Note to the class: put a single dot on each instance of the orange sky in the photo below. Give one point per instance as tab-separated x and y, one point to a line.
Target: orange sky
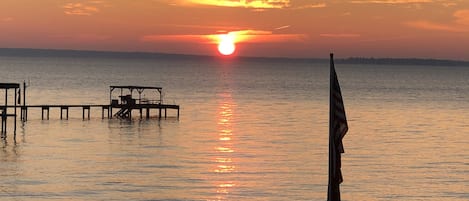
286	28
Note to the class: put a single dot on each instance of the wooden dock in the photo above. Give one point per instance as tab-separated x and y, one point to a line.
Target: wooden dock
106	110
126	102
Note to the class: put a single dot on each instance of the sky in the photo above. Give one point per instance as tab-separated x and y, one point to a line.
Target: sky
265	28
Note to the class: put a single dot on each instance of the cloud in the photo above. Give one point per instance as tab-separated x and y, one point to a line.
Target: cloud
202	27
84	8
415	3
255	4
282	27
390	1
449	4
318	5
339	35
462	17
460	23
432	26
241	36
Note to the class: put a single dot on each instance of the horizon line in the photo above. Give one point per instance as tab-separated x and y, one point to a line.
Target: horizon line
149	53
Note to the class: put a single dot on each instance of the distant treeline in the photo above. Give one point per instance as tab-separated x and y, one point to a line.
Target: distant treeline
403	61
24	52
20	52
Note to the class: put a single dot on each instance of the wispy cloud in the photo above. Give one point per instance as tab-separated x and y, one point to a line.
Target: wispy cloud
460	23
85	8
283	27
339	35
418	4
317	5
240	36
390	1
256	4
462	17
427	25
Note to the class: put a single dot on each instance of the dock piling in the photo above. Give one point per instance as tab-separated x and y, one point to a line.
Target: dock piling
86	107
61	111
46	109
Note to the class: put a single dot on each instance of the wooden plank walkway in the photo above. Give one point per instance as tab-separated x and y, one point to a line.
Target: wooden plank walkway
86	108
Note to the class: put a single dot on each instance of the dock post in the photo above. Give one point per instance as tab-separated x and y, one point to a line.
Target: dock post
24	113
141	113
178	113
165	110
6	110
62	108
159	112
3	120
87	107
15	100
44	108
148	112
105	107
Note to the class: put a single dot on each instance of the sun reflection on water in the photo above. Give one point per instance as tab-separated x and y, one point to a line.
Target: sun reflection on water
225	148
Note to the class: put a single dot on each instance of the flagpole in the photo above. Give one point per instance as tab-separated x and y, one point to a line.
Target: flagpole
337	129
331	187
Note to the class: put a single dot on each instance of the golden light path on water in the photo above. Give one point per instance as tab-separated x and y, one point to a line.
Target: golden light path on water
226	148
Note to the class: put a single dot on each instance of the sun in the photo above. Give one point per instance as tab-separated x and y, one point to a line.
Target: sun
226	45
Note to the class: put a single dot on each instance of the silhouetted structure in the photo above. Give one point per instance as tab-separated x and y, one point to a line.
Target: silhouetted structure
148	98
337	129
4	108
125	102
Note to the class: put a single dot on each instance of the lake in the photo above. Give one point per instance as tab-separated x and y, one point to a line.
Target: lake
248	130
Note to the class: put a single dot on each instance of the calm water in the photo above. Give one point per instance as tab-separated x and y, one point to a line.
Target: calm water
248	131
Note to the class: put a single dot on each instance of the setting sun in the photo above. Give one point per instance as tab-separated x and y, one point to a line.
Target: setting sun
226	45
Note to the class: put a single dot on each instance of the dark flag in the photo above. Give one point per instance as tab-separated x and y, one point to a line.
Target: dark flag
337	129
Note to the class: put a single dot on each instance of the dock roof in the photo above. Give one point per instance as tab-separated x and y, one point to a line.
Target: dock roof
9	85
133	87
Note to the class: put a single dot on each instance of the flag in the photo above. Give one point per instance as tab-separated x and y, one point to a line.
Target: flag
337	129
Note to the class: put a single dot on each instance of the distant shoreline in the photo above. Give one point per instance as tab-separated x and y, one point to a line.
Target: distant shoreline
27	52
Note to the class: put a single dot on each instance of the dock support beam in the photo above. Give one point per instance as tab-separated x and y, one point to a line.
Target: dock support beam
4	120
108	111
24	113
61	111
159	112
45	108
86	108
